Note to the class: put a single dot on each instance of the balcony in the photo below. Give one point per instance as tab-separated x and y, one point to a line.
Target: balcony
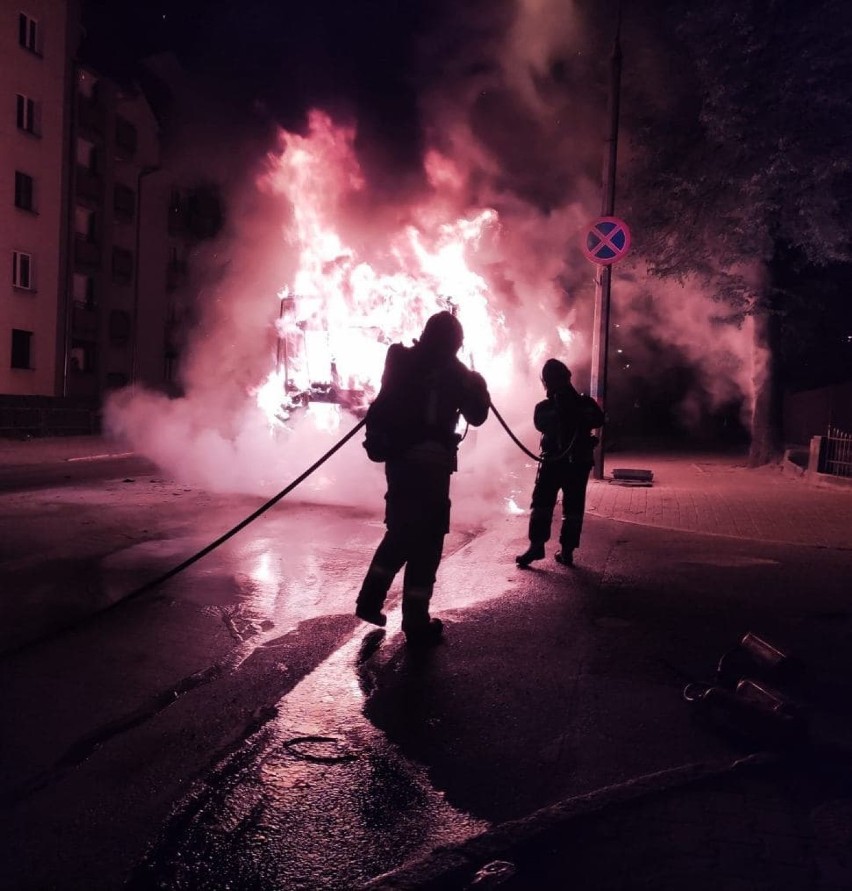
122	266
197	214
123	202
126	139
91	117
89	185
119	327
87	254
203	212
84	321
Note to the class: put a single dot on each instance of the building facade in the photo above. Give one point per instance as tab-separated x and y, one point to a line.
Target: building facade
116	156
95	234
38	39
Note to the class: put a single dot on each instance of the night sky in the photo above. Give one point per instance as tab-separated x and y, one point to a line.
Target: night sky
369	62
353	58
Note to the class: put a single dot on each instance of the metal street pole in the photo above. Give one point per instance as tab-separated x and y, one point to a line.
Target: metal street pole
603	278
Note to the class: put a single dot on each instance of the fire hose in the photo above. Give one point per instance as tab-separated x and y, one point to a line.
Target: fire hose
539	459
512	436
148	586
249	519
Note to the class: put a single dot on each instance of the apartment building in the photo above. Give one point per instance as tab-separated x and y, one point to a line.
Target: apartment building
115	224
134	225
95	233
38	39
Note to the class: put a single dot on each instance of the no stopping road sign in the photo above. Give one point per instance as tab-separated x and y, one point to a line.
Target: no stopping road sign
605	240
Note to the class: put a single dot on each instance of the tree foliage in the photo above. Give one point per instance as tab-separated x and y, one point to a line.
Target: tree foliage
746	163
751	150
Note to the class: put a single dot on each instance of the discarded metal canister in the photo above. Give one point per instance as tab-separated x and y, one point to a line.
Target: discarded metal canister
755	656
763	652
763	695
750	712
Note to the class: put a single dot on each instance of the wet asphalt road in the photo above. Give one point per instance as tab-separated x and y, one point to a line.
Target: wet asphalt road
239	728
23	477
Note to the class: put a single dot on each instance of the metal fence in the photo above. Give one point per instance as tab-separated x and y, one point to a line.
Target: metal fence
836	453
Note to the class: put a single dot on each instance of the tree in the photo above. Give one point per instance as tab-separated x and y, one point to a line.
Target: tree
746	163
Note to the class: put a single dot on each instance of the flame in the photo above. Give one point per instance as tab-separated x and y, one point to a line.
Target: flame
346	304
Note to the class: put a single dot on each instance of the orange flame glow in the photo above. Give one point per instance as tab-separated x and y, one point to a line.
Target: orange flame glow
341	309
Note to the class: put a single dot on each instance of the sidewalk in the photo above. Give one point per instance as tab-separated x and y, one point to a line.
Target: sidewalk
719	495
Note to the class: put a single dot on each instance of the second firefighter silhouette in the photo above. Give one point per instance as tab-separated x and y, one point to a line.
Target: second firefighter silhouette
565	420
411	427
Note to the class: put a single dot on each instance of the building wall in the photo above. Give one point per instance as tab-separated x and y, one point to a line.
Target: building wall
94	283
154	307
116	145
39	72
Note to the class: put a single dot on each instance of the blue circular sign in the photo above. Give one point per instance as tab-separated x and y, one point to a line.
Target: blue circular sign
606	240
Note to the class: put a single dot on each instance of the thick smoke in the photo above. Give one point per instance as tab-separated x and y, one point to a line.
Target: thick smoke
526	107
509	126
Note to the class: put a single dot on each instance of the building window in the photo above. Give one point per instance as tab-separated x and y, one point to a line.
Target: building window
203	212
125	138
84	223
123	202
122	265
119	326
22	342
82	357
87	155
28	32
24	190
84	290
22	270
25	114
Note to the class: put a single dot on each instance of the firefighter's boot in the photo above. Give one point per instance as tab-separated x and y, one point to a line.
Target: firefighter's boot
565	556
534	552
418	627
371	597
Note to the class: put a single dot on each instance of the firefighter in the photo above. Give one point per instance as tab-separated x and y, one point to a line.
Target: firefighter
411	427
565	420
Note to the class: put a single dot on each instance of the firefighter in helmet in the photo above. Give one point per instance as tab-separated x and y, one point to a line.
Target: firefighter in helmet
565	420
411	427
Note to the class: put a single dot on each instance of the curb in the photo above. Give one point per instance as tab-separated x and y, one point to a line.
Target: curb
454	867
827	480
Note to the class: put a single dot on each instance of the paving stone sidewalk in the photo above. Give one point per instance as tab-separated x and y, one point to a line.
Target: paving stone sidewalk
720	495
